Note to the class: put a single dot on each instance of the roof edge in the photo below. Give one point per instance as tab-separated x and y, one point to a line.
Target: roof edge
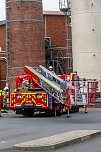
3	22
53	13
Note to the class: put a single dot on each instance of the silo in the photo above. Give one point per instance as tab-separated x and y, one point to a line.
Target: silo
25	36
86	37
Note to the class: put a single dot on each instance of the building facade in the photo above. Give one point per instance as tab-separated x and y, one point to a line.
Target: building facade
54	32
3	65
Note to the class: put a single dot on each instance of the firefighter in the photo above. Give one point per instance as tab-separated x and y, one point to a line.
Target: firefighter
51	69
15	91
5	94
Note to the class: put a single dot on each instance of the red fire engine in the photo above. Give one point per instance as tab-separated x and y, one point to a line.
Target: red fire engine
41	90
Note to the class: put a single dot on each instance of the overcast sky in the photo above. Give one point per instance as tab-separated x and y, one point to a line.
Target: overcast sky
47	5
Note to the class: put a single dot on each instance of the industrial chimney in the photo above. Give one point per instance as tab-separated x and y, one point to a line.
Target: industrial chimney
25	36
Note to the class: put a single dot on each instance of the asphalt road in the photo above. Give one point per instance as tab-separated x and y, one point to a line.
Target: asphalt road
16	128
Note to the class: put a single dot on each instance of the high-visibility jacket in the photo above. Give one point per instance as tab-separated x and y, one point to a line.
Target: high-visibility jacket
1	100
1	96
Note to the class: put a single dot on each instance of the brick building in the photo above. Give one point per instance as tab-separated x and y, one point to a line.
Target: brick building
2	55
54	23
55	32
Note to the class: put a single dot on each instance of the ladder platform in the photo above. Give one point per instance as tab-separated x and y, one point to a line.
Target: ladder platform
48	81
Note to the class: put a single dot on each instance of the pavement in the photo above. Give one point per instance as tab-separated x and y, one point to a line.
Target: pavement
58	141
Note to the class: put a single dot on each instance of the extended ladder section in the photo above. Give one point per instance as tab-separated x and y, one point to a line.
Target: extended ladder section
50	82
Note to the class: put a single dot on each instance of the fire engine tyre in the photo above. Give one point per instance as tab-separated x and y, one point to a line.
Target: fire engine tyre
52	112
58	112
49	113
28	112
75	109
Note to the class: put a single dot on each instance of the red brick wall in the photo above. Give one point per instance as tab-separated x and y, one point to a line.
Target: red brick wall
3	37
2	74
55	28
26	35
2	62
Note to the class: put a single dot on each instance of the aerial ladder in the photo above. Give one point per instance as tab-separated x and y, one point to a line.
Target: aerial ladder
50	82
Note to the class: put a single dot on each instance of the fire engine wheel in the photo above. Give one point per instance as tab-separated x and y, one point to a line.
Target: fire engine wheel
28	112
75	109
49	113
52	112
58	112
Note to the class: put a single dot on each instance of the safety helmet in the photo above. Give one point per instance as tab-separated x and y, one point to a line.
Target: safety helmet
6	88
50	67
15	90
